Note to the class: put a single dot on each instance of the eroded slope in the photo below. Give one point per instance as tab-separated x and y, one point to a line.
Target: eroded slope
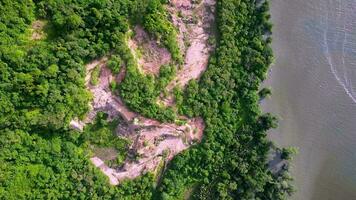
154	142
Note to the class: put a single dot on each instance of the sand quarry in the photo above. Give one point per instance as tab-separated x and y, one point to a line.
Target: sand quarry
156	143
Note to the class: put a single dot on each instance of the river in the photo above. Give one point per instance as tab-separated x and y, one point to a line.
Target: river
313	80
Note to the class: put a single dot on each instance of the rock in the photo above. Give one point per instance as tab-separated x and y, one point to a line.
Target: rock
77	125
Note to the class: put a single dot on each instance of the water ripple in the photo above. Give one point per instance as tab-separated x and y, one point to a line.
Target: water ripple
343	79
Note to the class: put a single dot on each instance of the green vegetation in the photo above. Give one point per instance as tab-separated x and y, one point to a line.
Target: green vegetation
14	21
103	140
42	89
140	91
230	163
37	168
95	74
155	21
113	86
102	134
114	64
42	86
287	153
152	15
54	167
264	92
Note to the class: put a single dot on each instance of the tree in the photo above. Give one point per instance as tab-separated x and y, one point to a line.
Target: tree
287	153
265	92
115	64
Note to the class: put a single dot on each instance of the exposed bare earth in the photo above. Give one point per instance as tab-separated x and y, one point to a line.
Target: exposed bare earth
37	30
152	141
153	56
194	22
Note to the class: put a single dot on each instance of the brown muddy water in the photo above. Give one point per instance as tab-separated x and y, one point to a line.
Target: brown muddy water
313	81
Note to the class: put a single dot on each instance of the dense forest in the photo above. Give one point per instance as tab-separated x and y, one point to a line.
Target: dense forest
42	88
231	161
